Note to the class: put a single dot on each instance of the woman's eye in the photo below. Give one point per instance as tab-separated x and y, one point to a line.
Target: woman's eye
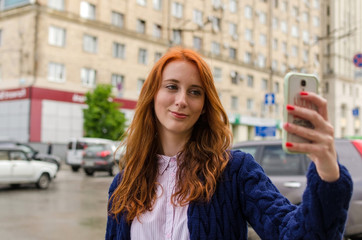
195	92
171	87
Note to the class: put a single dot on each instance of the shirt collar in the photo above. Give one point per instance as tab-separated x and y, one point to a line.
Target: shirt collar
164	162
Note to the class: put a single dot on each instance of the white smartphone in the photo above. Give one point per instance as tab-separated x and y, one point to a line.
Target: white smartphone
294	83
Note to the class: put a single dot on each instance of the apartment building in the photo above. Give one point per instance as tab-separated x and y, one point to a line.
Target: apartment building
342	40
67	47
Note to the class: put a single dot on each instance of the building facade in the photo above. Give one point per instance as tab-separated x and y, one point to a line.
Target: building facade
342	40
71	46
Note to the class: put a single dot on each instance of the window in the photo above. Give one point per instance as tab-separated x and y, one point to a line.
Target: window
157	31
275	44
197	17
88	77
250	104
248	34
141	26
264	84
306	37
261	60
158	55
117	19
316	21
90	43
295	31
217	74
56	72
177	9
283	68
262	17
215	48
275	23
305	55
157	4
233	6
216	24
140	83
56	36
295	12
294	51
285	6
234	102
117	82
142	2
142	56
316	4
87	10
233	30
234	77
262	39
250	81
56	4
176	36
274	65
284	47
248	13
284	26
247	57
197	43
232	53
306	17
276	87
119	50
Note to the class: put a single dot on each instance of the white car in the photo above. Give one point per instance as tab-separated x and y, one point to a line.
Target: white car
16	168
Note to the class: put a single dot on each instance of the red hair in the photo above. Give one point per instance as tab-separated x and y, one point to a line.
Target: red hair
204	153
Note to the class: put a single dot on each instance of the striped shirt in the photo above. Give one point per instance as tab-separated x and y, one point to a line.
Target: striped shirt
165	221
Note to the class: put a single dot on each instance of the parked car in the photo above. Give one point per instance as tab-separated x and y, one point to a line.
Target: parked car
17	168
99	156
32	153
287	172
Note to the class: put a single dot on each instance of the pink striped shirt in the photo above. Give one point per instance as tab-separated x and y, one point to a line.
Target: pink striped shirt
165	221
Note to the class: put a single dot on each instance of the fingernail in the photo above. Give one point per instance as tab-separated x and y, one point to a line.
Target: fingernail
303	93
288	144
290	107
286	125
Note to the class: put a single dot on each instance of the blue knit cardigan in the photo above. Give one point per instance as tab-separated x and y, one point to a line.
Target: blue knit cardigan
245	194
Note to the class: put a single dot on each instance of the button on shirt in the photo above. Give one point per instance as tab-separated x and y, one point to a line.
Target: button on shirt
165	221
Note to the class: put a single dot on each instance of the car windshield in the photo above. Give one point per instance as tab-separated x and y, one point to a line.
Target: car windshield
96	147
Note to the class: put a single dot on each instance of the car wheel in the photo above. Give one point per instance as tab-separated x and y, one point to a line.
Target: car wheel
75	169
113	170
89	172
43	182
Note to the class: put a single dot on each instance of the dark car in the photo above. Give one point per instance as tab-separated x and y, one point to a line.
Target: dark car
287	172
32	153
100	157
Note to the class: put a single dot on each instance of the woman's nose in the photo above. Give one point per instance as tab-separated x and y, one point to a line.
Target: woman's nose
181	99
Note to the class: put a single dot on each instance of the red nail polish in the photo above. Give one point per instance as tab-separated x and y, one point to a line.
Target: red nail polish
290	107
286	125
303	93
288	144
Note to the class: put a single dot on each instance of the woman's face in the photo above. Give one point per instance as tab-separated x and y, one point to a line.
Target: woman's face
180	100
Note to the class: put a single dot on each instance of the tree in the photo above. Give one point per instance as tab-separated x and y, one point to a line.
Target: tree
102	118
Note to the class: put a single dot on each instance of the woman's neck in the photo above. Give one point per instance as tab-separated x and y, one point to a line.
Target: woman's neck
172	144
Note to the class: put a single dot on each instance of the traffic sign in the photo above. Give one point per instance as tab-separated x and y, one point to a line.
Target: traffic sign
269	99
265	131
355	112
357	60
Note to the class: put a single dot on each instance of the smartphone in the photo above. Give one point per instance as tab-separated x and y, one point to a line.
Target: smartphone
294	83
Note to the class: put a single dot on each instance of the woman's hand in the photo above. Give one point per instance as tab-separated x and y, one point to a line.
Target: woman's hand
321	150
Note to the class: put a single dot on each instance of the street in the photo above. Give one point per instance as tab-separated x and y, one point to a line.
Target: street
73	207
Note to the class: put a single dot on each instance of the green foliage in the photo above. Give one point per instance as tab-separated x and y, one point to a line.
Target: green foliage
102	119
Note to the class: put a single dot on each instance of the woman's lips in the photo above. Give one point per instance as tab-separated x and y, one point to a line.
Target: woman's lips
179	115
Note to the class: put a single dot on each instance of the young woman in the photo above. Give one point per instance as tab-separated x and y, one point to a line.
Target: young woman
182	181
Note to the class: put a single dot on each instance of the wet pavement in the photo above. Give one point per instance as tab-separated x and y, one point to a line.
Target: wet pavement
73	207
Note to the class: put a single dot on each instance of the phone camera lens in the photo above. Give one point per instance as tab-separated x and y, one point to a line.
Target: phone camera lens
303	83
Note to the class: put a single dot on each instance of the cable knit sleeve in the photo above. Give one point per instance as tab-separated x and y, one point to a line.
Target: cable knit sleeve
321	215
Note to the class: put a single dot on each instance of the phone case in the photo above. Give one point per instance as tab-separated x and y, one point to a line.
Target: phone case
293	85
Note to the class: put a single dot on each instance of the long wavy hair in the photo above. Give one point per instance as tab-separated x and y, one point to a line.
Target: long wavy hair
201	161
